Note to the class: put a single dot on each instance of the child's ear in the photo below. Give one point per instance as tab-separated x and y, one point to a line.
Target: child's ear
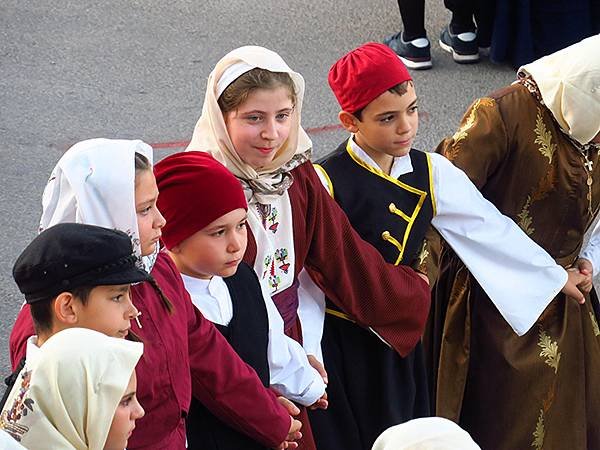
349	121
66	309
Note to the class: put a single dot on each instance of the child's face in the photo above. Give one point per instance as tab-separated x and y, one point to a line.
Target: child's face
217	249
149	219
123	423
389	123
108	310
260	125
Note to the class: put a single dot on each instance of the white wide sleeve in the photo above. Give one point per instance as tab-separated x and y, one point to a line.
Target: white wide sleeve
311	311
290	372
592	249
520	278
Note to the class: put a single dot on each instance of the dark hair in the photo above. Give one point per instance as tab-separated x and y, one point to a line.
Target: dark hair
399	89
237	92
141	163
42	311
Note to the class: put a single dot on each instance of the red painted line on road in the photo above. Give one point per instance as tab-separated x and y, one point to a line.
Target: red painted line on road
178	144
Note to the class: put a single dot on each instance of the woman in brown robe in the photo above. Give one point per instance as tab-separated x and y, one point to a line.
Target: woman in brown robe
532	150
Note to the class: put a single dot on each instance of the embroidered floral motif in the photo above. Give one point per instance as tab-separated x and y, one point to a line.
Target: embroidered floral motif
22	405
594	324
281	256
268	215
549	350
270	272
463	131
539	433
544	137
525	219
422	258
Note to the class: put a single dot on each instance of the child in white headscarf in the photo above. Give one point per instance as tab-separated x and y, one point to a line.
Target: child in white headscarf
79	392
532	149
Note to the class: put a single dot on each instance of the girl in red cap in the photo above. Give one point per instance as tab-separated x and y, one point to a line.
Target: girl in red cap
110	183
251	123
206	237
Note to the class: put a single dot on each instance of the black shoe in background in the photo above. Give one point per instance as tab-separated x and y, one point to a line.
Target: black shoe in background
415	54
463	46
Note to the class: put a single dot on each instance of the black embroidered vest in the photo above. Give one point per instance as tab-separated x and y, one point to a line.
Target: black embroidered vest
391	214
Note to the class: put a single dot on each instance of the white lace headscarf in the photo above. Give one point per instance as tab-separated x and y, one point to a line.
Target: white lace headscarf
569	83
210	134
94	183
76	382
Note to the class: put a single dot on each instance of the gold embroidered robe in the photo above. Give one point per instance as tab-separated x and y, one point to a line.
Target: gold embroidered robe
541	390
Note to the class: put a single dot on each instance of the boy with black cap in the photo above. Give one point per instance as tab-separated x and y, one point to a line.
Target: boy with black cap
74	275
392	194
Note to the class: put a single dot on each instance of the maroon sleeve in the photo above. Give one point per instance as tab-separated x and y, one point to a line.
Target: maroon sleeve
393	300
21	331
229	387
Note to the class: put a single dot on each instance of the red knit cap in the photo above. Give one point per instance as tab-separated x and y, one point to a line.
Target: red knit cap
363	74
195	189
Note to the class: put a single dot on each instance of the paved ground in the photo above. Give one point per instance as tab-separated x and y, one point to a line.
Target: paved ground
71	70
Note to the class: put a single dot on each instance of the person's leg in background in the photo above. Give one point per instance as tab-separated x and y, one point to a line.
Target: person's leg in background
411	44
460	36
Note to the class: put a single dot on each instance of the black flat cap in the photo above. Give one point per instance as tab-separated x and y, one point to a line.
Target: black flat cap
71	255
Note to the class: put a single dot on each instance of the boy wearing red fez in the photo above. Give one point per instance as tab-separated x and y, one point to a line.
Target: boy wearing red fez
205	235
392	194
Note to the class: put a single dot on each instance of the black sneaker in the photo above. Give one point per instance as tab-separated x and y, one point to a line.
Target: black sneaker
415	54
463	46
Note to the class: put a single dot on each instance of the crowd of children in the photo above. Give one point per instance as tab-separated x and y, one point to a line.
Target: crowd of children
238	296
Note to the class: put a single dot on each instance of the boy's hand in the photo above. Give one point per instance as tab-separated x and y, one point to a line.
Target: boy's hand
316	364
570	289
585	268
321	403
293	434
287	404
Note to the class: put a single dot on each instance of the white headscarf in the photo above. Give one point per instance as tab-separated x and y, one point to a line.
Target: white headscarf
210	134
569	83
428	433
94	183
75	385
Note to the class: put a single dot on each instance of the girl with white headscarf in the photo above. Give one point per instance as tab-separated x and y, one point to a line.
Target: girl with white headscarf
79	391
250	122
110	183
532	150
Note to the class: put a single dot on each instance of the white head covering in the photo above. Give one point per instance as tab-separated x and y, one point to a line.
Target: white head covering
76	383
94	183
210	134
569	83
8	443
429	433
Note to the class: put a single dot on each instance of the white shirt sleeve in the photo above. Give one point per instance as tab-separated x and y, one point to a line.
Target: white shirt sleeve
592	249
520	278
291	373
311	311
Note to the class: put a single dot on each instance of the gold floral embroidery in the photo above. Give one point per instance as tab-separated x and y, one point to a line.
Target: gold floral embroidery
549	350
594	324
423	255
525	219
463	131
544	137
538	434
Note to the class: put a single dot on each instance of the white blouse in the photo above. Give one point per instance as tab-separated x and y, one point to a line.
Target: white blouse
290	372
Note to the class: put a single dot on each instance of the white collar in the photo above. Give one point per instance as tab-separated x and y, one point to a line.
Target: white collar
400	166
